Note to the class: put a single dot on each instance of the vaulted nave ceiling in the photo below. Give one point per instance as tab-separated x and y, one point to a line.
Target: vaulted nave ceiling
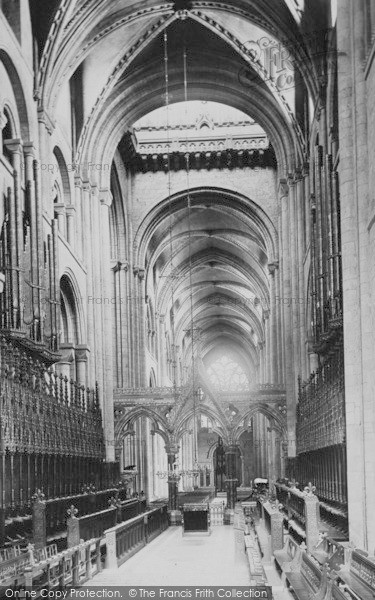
213	258
117	46
209	262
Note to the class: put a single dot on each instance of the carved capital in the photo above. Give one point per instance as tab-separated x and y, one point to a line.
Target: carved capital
140	272
67	353
106	198
15	146
82	353
120	266
70	210
29	149
172	449
44	118
78	180
86	185
283	188
272	267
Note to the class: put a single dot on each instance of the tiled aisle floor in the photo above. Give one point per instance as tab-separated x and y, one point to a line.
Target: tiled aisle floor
173	559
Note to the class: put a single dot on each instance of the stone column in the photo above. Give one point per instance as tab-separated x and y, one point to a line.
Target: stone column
173	479
162	355
358	253
271	456
59	210
81	358
79	218
294	266
70	225
89	302
105	197
121	323
273	324
267	366
231	453
142	329
279	328
16	232
300	202
261	361
36	266
67	359
287	316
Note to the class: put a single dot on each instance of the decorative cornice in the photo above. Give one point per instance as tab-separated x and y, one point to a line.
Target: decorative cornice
227	159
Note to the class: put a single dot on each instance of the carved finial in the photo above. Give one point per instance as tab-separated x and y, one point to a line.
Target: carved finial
30	550
293	484
38	496
72	512
309	490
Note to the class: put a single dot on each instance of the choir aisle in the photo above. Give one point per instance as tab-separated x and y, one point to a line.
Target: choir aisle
174	559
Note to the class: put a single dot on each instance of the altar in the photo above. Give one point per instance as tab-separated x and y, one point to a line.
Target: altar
196	518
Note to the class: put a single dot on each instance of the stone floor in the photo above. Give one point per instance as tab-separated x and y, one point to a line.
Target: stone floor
173	559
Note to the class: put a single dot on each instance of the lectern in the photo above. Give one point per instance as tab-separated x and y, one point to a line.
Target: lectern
196	518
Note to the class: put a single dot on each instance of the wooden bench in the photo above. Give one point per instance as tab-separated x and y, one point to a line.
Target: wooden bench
357	579
14	561
330	551
257	573
309	581
289	558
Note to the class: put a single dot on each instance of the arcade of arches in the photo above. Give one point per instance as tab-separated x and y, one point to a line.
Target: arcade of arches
187	249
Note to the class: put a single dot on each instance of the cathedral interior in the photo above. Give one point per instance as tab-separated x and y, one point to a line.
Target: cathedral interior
187	283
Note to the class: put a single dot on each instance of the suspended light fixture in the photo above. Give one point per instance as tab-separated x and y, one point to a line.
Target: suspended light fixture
176	473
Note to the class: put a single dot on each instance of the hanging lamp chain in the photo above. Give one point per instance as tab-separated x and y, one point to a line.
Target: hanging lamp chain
172	276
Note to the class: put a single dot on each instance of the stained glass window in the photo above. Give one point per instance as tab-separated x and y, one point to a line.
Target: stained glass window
227	374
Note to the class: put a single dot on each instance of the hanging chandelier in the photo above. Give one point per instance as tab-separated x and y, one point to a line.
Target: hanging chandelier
177	473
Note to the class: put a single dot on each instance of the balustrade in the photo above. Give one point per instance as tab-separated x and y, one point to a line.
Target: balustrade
127	538
94	525
89	526
85	503
73	567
